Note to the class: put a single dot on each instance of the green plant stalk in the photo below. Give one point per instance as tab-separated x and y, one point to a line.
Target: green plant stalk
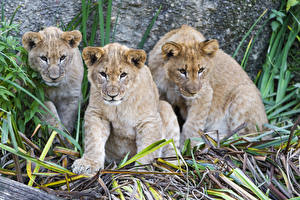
32	96
285	107
74	23
2	11
116	185
84	11
293	111
285	75
69	137
47	165
246	55
267	78
101	21
231	192
285	99
108	22
219	194
249	31
195	165
78	124
11	132
115	27
146	34
94	29
42	157
249	184
12	18
16	133
146	151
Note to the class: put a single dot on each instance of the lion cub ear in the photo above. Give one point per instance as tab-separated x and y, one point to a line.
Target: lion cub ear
170	49
73	38
31	39
210	47
137	57
91	55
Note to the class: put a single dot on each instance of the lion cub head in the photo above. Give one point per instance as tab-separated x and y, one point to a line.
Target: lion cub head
50	52
113	70
187	64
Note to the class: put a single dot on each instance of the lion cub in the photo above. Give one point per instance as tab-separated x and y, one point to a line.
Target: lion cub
208	86
55	56
124	112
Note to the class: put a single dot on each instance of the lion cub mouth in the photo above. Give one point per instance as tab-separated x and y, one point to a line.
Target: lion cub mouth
52	83
113	102
187	95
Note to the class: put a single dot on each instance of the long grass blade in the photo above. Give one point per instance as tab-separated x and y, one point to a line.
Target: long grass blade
108	22
101	22
42	157
248	33
146	151
84	10
147	32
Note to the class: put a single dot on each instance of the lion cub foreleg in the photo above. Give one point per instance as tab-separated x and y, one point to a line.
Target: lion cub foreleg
149	131
170	123
52	118
68	111
96	133
197	115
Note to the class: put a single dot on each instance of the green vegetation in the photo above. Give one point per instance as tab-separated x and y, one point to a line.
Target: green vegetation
233	168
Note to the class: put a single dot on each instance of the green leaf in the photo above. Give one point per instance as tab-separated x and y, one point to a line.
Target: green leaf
275	25
146	151
219	194
4	132
124	160
108	21
239	174
280	20
291	3
48	165
42	157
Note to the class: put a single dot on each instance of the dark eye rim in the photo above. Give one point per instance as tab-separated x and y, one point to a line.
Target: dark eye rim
44	58
124	74
103	74
182	71
62	57
201	70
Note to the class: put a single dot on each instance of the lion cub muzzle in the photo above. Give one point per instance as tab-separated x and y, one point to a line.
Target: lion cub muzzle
112	94
54	72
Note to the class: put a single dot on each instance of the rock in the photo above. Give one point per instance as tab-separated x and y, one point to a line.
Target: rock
224	20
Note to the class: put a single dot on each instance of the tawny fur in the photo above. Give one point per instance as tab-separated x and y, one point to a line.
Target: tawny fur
208	86
124	112
55	56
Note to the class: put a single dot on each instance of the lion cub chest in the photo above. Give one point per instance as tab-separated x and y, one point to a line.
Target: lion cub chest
122	122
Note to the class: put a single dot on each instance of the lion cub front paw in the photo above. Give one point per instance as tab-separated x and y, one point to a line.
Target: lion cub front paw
86	166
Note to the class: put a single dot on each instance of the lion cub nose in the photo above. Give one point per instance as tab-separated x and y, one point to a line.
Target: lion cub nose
54	72
112	91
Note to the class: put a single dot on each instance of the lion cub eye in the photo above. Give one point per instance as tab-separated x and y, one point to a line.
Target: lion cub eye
182	71
201	70
103	74
123	75
44	58
62	58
